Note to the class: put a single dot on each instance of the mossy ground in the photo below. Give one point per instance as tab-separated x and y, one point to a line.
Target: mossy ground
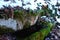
40	35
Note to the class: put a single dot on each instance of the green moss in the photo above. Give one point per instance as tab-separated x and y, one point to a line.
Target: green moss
4	29
40	34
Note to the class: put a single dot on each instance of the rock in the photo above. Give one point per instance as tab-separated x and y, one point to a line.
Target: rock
10	23
52	34
47	39
52	38
56	37
19	25
58	34
58	26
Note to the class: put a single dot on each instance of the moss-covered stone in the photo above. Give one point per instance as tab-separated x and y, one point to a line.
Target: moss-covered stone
40	34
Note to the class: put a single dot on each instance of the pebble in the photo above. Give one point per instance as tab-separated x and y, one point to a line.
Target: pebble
54	34
7	37
47	39
56	37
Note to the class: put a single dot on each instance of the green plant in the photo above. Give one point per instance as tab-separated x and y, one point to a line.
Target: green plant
23	16
40	34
